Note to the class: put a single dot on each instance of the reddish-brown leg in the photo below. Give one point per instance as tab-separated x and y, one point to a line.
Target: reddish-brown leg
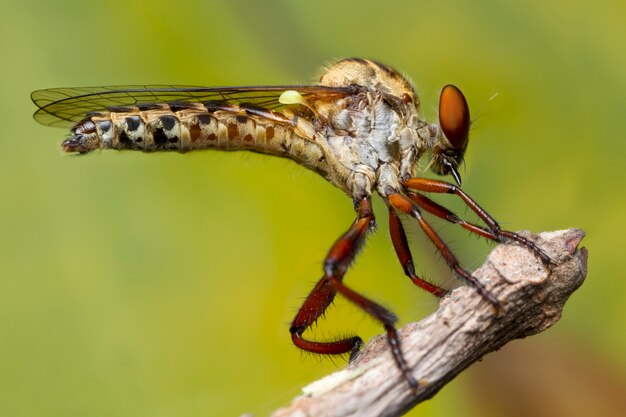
337	262
400	244
436	186
314	306
443	213
405	205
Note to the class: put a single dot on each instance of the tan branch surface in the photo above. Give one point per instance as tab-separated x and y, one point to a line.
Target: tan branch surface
462	330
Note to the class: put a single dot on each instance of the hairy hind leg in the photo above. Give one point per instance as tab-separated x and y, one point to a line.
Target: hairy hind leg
337	262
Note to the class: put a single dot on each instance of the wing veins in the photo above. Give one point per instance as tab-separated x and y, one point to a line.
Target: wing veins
60	106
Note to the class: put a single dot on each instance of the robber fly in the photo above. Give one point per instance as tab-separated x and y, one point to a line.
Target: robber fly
359	128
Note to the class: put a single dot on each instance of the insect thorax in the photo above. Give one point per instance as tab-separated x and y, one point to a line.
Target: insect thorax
376	134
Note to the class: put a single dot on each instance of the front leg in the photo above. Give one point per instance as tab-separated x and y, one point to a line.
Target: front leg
504	236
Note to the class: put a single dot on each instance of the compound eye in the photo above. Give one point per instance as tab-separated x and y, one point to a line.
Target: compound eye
454	118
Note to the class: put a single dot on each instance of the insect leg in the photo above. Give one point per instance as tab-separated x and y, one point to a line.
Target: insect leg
433	208
314	306
405	205
436	186
388	320
337	262
400	244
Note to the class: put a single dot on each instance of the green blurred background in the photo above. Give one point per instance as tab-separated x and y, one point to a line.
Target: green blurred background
164	284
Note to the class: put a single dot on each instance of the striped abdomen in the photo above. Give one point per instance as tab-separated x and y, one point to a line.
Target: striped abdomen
189	126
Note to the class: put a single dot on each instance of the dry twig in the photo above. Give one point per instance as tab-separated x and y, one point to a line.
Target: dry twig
460	332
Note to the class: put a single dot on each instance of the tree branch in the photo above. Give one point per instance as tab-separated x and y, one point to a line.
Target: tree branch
460	332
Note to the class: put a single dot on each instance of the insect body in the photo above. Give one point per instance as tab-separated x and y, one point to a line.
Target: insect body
359	128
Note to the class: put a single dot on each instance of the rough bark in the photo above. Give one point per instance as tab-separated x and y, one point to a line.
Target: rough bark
462	330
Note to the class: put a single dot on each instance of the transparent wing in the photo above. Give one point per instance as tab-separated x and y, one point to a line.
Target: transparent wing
64	107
